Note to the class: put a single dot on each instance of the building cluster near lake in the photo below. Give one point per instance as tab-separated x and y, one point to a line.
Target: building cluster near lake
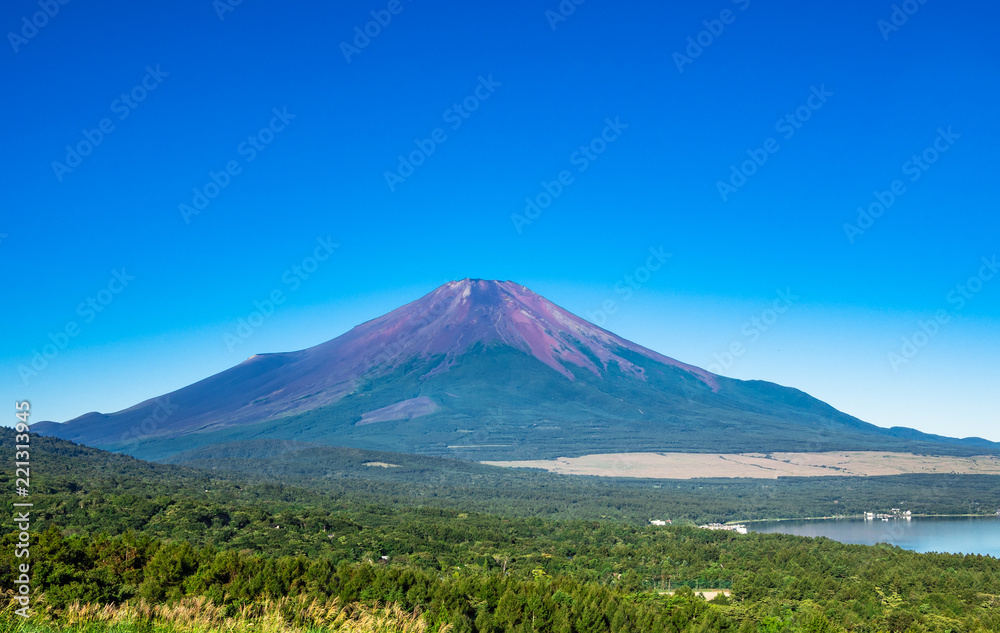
895	513
738	528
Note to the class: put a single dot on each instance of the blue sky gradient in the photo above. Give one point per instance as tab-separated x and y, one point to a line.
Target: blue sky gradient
199	88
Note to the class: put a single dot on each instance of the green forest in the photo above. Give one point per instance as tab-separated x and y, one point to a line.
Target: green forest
125	545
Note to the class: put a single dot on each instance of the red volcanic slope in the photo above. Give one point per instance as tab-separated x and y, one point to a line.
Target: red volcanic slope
448	321
459	313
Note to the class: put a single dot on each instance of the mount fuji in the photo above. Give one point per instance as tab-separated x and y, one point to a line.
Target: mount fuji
480	370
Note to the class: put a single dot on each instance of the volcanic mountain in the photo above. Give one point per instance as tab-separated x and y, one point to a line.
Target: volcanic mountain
481	370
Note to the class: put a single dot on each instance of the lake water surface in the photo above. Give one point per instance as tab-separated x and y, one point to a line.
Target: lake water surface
956	535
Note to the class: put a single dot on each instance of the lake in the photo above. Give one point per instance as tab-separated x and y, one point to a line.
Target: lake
956	535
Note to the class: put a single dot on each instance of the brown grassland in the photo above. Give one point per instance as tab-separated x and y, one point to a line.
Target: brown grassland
760	465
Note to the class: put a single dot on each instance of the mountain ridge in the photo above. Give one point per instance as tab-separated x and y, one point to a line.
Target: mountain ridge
494	366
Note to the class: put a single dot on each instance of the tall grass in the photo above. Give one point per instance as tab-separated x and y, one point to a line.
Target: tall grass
200	615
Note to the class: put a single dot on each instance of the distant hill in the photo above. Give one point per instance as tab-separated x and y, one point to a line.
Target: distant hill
482	370
86	490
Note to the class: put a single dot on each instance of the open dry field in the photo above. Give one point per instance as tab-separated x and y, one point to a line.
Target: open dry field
707	594
759	465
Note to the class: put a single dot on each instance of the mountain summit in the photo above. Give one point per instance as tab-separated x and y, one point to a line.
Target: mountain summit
485	369
463	313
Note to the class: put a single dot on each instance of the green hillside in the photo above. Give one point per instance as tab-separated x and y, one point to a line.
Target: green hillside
113	530
415	479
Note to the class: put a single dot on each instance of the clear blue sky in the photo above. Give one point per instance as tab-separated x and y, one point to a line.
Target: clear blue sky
183	91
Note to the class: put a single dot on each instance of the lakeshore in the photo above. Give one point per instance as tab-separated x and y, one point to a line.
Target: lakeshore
839	517
955	534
